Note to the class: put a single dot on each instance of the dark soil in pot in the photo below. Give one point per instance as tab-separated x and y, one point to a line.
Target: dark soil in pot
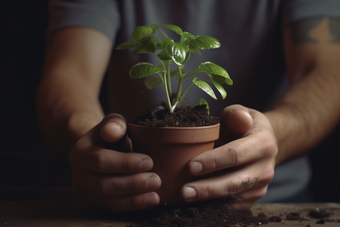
183	116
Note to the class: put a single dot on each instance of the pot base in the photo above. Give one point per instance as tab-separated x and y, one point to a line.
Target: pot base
171	149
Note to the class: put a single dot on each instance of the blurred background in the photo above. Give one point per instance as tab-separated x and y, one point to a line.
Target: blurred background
28	166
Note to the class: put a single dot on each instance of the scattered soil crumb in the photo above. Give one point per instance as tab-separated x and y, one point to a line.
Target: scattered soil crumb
320	221
208	213
319	213
275	219
332	219
262	219
183	116
295	216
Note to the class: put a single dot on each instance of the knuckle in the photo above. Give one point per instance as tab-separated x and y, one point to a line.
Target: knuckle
270	147
104	188
235	155
267	175
233	188
207	192
127	163
133	184
99	162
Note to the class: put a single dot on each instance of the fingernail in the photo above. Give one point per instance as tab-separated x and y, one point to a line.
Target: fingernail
196	167
153	183
189	193
152	200
146	164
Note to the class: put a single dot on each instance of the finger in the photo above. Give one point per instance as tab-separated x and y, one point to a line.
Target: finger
229	184
236	120
116	185
235	153
112	128
86	155
123	203
111	134
248	198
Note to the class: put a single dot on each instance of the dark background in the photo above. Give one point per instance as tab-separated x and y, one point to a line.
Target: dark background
27	164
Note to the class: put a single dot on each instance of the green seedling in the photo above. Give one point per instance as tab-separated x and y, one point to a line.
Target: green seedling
169	53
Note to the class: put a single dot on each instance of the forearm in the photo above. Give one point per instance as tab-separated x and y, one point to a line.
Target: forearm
306	113
66	111
67	97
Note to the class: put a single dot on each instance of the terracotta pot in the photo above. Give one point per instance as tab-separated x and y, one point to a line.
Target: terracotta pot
171	149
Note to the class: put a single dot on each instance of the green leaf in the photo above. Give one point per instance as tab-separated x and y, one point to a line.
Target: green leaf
165	42
163	55
211	68
174	28
204	102
175	73
178	52
148	45
141	32
128	44
144	69
141	49
159	46
194	49
218	86
204	86
152	82
222	80
205	42
187	37
154	26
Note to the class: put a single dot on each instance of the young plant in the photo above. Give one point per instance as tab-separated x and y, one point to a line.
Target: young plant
169	52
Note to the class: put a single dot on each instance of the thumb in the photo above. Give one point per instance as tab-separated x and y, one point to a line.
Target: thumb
236	120
112	128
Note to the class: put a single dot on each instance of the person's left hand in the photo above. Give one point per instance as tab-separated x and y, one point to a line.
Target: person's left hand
240	169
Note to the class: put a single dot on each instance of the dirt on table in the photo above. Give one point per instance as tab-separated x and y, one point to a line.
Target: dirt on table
295	216
204	214
183	116
217	213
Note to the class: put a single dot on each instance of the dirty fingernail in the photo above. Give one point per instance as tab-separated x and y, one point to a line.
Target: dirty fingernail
196	167
189	193
153	183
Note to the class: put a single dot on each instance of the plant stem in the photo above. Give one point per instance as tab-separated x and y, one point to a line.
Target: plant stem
192	73
162	32
169	81
186	91
166	91
164	79
180	85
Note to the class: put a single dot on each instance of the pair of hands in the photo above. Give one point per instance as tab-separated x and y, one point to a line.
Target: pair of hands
108	174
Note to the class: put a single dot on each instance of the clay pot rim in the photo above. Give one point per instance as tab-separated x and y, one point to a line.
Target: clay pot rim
199	134
175	128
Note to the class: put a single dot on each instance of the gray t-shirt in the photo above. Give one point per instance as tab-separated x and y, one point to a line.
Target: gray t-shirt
251	36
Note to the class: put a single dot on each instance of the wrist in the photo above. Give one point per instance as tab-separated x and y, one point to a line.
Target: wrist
80	123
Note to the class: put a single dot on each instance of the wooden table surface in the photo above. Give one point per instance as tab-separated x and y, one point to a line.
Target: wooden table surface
65	212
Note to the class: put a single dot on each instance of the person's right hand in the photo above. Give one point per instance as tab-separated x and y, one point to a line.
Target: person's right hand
108	174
